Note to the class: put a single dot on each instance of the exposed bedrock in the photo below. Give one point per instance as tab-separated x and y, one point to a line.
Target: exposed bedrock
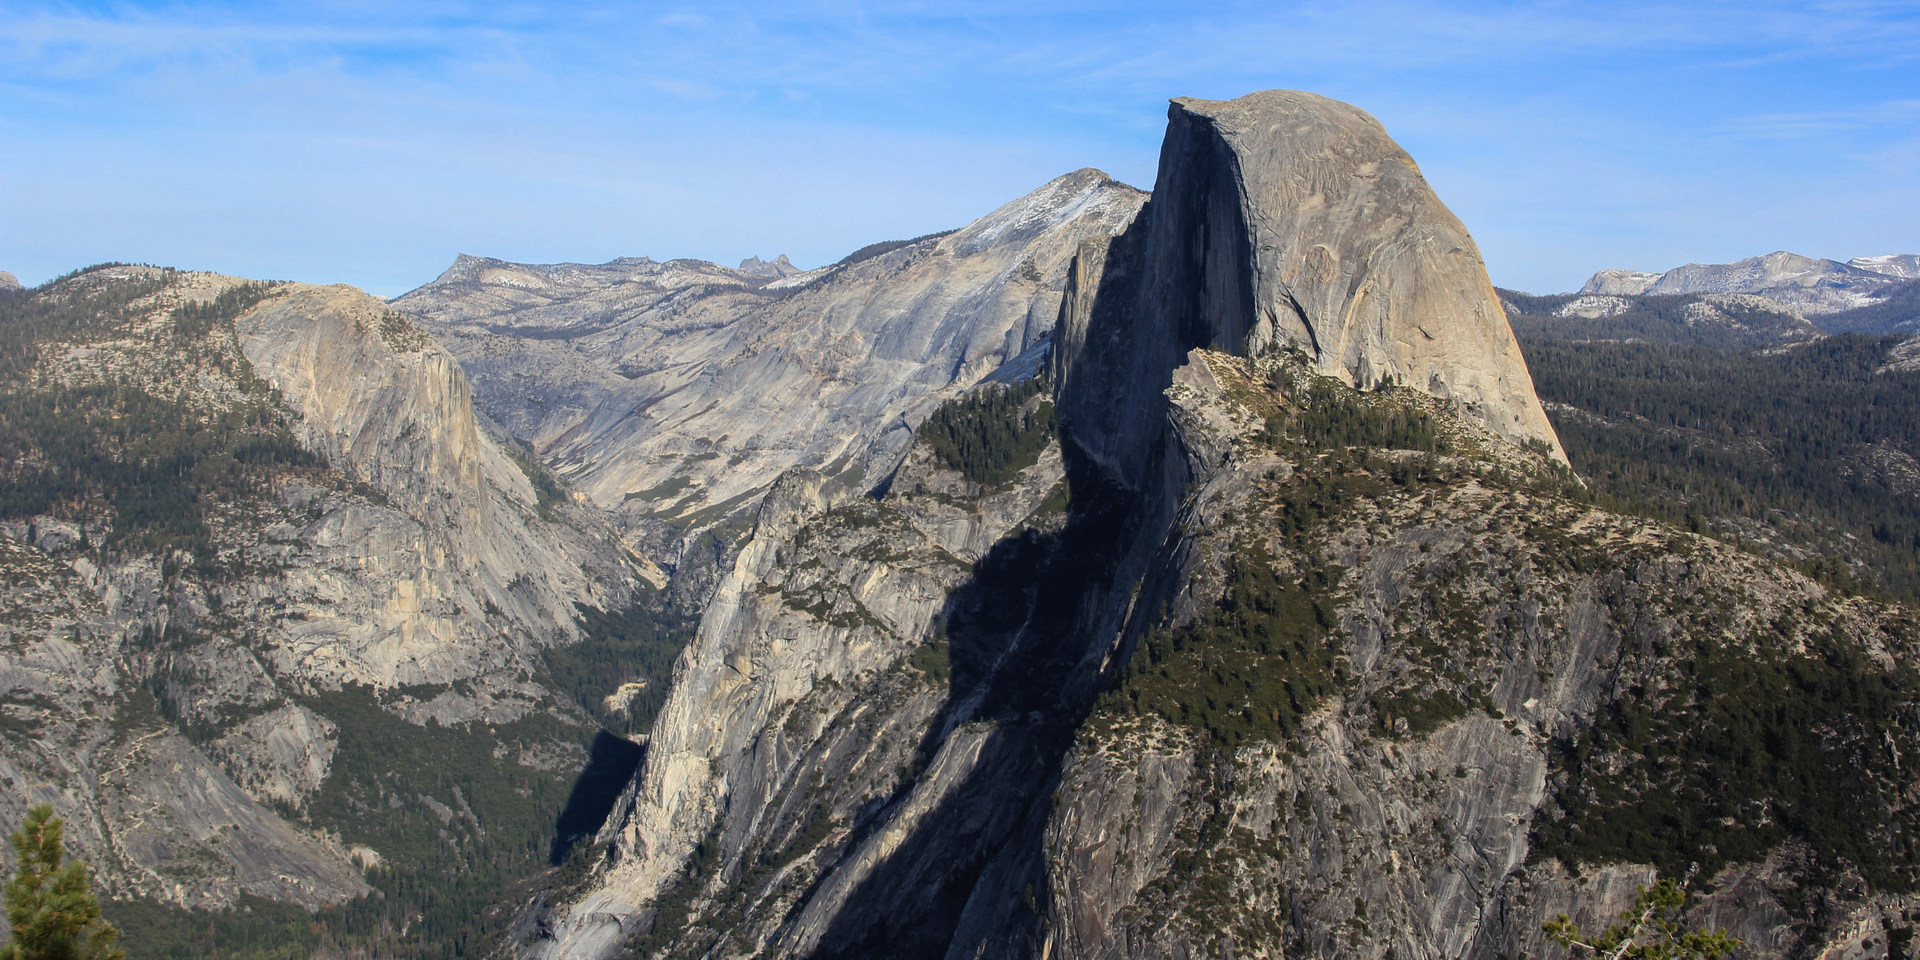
1285	219
815	787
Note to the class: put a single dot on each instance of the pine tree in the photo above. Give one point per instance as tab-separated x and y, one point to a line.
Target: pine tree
1651	929
52	913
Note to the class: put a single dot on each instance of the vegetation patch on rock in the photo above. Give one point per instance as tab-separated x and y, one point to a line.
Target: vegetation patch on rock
993	432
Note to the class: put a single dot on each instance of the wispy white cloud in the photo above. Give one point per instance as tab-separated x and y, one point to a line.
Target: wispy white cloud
1888	116
1566	134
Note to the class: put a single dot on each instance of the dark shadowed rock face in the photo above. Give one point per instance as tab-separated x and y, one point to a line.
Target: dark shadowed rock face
1287	219
818	783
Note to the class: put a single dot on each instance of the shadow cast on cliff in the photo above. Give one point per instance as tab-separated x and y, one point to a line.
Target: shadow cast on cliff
1019	633
611	762
1045	623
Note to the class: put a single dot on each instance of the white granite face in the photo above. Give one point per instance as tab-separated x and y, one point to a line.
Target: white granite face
665	390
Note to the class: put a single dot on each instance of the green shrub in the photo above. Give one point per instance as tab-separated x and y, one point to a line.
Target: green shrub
1250	668
1329	414
934	659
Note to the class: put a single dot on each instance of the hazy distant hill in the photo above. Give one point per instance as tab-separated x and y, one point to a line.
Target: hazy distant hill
1725	320
1813	287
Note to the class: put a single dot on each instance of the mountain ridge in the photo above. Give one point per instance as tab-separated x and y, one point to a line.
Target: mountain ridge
1114	577
1810	285
281	551
674	394
782	807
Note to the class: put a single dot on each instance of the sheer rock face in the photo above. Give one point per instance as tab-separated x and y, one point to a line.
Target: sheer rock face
1285	218
459	533
413	552
666	389
800	707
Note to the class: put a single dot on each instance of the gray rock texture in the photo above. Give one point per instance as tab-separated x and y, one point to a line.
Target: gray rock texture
1631	283
1284	219
674	393
801	713
8	281
460	529
168	707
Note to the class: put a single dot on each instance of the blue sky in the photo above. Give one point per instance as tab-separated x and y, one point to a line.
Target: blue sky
368	143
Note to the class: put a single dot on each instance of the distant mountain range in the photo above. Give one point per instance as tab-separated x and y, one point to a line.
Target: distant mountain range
1758	301
1812	286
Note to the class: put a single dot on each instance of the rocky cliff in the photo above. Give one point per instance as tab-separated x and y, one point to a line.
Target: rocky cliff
1104	579
1300	668
1284	219
675	393
262	551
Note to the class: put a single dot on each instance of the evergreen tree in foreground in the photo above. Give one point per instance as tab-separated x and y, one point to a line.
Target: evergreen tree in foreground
1651	929
51	912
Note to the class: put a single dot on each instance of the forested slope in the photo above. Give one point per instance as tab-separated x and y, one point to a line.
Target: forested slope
1805	453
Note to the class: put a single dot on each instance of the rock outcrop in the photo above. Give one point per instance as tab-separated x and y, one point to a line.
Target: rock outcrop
463	579
1284	219
8	281
1616	283
675	393
335	561
779	268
